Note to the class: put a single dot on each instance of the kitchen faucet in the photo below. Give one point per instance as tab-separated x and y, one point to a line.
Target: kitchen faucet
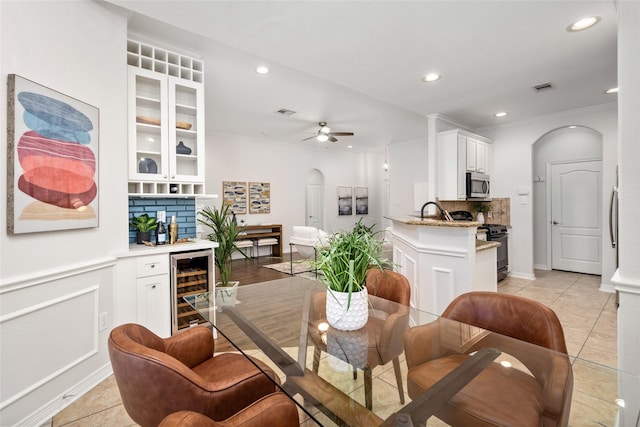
445	214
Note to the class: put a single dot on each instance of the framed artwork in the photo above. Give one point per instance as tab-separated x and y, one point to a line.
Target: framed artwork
345	201
362	200
234	194
52	159
259	198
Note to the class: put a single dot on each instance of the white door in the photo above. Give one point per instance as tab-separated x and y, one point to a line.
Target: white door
576	217
314	206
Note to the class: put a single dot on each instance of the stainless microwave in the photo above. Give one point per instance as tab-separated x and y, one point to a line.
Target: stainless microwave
478	185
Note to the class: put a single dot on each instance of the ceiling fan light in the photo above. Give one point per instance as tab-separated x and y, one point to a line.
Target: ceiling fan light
325	130
323	137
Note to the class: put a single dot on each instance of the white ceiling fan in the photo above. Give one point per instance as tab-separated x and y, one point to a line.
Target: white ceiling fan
325	134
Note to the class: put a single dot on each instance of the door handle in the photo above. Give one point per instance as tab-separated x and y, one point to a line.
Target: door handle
613	213
555	222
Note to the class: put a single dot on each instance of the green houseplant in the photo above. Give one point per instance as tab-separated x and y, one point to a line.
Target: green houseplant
225	231
481	208
344	263
144	225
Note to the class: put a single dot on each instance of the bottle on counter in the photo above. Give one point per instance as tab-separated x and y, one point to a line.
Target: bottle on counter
173	230
161	234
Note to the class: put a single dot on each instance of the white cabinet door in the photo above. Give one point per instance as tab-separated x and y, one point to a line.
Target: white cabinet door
148	136
480	156
471	154
154	304
186	130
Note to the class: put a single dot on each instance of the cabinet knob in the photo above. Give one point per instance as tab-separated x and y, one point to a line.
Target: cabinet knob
153	266
153	286
164	176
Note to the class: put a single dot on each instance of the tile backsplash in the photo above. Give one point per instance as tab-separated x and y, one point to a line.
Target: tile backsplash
183	209
500	209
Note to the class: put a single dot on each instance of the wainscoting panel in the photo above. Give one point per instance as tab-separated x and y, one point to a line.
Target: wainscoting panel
44	338
443	289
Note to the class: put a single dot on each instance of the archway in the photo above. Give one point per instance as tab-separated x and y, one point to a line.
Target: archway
563	145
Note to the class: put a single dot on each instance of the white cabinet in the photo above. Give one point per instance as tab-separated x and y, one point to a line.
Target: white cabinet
153	294
166	134
459	152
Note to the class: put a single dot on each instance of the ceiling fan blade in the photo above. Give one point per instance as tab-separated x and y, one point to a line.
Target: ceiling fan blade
341	133
332	139
311	137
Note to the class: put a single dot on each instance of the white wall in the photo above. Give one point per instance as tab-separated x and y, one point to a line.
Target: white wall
559	145
512	169
285	167
53	285
407	166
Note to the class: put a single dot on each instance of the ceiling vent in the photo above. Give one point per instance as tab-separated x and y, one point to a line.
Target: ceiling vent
542	86
285	112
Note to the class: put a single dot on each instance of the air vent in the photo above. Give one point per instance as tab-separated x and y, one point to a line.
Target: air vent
542	86
285	112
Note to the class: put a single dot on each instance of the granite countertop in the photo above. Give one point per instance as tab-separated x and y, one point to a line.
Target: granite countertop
433	222
482	245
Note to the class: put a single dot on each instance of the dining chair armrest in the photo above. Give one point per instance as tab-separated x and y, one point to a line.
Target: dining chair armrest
422	343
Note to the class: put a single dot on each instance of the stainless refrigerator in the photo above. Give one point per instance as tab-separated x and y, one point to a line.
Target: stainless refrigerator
613	222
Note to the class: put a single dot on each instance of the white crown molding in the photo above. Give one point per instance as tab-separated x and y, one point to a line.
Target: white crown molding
591	109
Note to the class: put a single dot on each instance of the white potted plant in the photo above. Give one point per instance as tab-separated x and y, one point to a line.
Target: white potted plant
225	231
344	263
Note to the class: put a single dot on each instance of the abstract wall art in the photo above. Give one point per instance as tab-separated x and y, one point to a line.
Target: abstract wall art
52	159
234	194
345	201
259	198
362	200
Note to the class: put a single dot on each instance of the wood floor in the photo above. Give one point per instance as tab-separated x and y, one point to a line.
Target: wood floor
248	271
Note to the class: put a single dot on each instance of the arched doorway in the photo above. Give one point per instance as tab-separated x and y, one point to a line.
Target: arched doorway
314	199
567	200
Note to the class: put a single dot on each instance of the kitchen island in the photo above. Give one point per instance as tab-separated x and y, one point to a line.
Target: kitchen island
442	259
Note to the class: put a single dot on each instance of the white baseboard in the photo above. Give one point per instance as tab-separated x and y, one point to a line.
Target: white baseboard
527	276
541	267
44	414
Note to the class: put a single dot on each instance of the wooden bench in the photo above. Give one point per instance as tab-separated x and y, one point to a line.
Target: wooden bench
257	232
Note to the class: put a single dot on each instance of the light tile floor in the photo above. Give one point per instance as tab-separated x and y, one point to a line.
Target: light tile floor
588	317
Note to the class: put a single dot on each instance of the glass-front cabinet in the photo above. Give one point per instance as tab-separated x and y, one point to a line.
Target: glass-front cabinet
166	134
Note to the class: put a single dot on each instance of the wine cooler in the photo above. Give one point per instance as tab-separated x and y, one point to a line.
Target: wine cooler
192	273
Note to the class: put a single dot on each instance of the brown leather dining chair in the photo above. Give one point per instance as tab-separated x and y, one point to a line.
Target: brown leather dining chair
157	376
383	333
499	395
275	409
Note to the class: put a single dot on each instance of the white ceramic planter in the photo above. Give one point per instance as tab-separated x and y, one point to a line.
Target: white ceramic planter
348	318
226	296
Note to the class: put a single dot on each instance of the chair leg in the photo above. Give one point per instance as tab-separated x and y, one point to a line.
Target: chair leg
316	359
396	369
291	257
368	398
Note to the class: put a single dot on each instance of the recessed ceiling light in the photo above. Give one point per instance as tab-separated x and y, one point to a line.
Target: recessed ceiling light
573	127
500	114
584	23
262	70
612	90
431	77
349	146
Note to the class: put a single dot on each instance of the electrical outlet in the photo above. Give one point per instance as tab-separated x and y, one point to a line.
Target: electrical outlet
102	321
161	216
490	214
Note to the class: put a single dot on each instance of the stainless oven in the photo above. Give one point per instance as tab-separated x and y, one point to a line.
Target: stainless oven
478	185
498	233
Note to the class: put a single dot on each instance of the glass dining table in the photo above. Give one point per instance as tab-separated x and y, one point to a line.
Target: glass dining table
359	378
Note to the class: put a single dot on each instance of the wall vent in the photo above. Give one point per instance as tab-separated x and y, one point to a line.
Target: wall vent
285	112
542	86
